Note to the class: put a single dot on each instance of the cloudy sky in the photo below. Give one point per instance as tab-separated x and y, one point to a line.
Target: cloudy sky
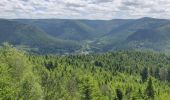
84	9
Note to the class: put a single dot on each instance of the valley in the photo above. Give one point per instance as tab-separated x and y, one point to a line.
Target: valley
51	59
72	36
84	49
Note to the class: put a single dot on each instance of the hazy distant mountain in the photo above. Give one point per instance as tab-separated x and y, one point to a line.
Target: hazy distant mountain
22	34
74	29
92	35
132	26
148	32
64	29
154	38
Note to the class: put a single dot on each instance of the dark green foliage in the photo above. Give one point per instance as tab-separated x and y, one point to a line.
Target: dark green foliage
86	92
168	76
144	74
150	90
119	94
157	73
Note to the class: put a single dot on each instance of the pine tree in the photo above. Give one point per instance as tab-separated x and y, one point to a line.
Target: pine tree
119	94
168	76
87	93
144	74
157	73
90	89
150	90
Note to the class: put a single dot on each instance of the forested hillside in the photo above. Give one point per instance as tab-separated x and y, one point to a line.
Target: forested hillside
73	36
144	33
75	29
121	75
108	35
20	34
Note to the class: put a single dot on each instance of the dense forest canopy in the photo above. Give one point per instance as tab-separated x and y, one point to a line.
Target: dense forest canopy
120	75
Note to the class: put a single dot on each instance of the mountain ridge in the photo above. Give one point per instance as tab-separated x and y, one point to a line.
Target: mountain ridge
23	34
92	35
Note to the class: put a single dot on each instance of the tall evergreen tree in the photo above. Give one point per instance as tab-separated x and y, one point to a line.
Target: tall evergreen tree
156	75
150	90
168	76
144	74
119	94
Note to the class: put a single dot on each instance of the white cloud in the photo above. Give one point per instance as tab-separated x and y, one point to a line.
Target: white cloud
84	9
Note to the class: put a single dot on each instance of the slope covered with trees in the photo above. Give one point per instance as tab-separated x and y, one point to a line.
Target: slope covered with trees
75	29
95	35
121	75
23	34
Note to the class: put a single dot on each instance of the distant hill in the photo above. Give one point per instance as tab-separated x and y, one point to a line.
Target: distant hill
148	32
74	29
92	35
64	29
21	34
134	25
155	38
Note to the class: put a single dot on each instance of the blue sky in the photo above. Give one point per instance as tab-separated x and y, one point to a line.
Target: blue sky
85	9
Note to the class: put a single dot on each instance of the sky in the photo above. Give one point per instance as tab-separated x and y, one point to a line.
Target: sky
84	9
